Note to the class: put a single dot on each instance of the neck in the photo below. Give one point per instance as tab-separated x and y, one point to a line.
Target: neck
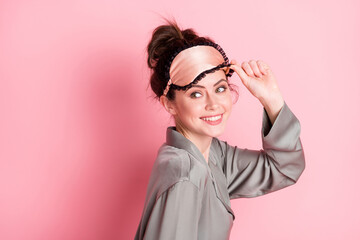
202	142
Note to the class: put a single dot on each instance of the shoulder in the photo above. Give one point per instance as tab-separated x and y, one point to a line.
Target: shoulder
172	162
174	165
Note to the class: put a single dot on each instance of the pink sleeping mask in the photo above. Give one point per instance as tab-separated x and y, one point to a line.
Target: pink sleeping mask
194	62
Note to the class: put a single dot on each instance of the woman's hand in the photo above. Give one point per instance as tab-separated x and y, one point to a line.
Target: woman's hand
258	78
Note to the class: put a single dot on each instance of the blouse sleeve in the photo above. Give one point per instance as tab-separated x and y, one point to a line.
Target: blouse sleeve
176	213
251	173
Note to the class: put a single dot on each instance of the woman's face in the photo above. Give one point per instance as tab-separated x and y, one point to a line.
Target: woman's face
204	109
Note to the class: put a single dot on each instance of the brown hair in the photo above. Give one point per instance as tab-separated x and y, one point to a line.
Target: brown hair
165	41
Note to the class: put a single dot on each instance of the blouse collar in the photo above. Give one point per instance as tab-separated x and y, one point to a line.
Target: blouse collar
176	139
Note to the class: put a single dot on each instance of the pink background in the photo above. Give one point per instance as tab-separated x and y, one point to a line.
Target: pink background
80	130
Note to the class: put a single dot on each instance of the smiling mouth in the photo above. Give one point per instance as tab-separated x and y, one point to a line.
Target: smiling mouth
212	118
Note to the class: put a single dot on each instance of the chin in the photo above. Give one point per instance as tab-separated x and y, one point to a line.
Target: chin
216	132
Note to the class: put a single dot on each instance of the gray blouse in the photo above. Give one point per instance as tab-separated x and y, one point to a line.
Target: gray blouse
188	198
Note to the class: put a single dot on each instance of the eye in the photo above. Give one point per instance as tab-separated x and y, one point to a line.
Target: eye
195	95
221	89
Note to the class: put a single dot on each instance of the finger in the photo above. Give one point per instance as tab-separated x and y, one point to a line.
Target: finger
227	70
247	69
255	68
264	68
242	74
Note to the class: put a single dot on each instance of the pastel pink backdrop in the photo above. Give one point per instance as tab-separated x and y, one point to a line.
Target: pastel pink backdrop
80	130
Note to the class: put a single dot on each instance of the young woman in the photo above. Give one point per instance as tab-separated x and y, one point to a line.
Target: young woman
195	174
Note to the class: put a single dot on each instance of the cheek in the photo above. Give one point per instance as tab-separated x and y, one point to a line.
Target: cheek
190	109
230	103
227	102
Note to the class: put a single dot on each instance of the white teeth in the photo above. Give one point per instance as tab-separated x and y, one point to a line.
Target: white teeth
212	118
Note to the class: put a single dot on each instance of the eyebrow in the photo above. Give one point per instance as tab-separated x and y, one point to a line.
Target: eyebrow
200	86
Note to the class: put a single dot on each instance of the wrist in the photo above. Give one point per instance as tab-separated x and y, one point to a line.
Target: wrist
273	106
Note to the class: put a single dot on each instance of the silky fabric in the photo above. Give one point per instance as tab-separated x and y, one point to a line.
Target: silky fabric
191	62
189	198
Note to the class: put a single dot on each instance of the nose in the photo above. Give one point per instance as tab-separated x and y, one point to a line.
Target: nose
211	103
